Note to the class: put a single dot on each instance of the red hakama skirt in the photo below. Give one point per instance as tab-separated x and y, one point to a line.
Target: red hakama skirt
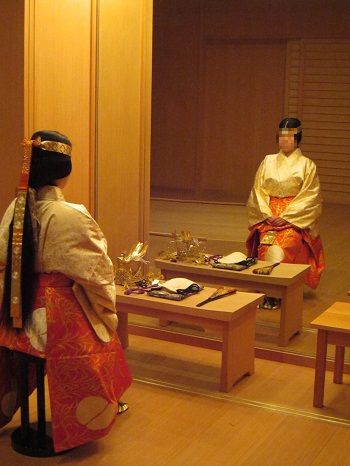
86	377
298	245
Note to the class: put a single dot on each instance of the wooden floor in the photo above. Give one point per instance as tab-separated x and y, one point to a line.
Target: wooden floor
177	417
225	228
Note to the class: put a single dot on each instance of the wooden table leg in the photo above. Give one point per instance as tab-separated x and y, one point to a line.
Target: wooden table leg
122	329
339	364
291	313
320	368
227	362
237	349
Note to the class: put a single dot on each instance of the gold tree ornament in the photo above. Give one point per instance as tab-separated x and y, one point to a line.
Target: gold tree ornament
185	247
135	254
129	267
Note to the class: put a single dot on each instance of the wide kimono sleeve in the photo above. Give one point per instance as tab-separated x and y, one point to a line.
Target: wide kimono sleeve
74	245
306	207
258	202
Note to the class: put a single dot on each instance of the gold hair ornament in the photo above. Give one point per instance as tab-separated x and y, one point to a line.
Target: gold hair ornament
55	146
287	131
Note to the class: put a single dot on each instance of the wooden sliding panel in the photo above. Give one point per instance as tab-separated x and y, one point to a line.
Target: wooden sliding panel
318	92
242	101
59	81
175	113
326	114
11	98
123	125
293	85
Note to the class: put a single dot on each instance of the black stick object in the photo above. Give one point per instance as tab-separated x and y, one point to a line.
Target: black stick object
214	298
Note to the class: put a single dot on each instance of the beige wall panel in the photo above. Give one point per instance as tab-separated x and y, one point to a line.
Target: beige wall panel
11	97
60	83
124	86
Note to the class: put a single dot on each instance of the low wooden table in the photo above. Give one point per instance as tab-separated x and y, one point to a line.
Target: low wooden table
286	282
333	328
231	316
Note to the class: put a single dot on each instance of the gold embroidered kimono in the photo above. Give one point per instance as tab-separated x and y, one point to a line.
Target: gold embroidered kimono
288	187
86	367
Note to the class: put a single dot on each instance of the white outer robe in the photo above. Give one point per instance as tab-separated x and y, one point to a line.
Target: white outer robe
282	176
71	243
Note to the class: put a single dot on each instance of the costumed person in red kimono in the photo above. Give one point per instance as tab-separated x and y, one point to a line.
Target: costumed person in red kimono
284	207
58	300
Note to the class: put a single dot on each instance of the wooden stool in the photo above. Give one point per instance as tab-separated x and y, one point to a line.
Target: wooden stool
333	328
25	439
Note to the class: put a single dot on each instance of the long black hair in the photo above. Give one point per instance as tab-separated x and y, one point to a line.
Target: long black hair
46	167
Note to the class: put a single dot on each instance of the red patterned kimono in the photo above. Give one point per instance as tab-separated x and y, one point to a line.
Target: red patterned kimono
72	325
86	377
287	187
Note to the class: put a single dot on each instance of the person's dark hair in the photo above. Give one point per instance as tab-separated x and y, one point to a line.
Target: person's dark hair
46	167
292	123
